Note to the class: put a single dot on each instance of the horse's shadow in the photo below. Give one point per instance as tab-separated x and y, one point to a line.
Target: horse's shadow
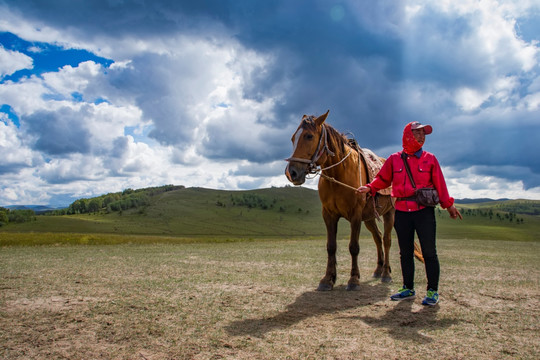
310	304
405	324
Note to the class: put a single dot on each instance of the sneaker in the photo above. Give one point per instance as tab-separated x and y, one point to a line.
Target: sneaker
432	298
403	293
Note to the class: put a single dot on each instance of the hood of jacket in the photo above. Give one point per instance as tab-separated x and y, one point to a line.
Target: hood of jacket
410	145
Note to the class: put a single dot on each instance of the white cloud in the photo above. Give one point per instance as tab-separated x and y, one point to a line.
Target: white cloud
71	168
470	99
467	183
202	108
14	153
501	91
69	79
25	96
532	102
12	61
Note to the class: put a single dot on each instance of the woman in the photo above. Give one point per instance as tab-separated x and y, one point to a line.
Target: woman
410	216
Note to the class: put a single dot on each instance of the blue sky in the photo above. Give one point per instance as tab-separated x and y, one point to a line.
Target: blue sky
98	96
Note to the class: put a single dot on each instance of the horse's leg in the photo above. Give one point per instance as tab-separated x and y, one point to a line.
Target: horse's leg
371	225
328	281
354	249
388	219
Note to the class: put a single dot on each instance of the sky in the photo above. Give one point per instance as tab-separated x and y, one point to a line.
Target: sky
104	95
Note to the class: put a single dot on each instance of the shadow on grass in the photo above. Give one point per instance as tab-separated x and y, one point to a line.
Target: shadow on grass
405	324
311	304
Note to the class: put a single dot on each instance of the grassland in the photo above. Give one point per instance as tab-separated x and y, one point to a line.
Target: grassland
202	274
198	212
256	300
291	212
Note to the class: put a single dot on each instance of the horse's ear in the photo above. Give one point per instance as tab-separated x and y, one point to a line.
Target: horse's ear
321	118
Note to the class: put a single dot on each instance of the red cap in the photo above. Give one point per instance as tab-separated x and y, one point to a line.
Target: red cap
427	128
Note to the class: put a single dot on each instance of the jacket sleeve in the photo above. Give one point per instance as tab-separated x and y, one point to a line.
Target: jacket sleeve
383	179
440	184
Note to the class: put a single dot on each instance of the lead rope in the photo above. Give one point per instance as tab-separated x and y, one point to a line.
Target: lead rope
331	179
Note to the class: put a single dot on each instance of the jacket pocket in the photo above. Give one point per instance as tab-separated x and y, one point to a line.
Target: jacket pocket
424	175
399	177
398	172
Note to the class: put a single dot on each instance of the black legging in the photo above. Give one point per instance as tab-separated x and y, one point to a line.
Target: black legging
423	222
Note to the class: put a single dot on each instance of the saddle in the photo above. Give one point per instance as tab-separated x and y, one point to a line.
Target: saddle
372	162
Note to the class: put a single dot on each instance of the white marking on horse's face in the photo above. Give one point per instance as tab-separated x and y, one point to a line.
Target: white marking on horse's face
296	138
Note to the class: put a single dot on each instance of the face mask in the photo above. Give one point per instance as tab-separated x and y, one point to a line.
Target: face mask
410	145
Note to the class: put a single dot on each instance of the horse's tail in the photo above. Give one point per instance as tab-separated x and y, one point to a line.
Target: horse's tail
418	252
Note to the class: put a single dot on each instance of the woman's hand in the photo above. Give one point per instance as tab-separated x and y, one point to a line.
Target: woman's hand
363	189
454	213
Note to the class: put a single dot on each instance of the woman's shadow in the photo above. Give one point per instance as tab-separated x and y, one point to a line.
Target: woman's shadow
310	304
401	321
405	324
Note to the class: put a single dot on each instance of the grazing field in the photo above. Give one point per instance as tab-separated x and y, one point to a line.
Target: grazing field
177	299
265	213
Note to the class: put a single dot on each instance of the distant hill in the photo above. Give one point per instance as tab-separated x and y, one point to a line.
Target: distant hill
38	209
275	212
45	208
179	211
476	201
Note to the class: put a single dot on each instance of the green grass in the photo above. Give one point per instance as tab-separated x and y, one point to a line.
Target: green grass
290	212
194	212
477	227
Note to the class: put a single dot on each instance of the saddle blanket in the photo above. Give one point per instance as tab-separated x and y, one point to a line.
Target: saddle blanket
374	164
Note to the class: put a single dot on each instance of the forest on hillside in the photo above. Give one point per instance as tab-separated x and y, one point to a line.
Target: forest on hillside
15	216
119	201
511	211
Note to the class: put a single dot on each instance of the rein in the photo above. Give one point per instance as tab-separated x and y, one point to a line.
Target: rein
317	170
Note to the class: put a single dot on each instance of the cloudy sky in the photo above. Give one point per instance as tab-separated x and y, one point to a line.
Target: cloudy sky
103	95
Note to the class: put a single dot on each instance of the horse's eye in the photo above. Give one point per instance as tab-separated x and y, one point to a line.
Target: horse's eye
309	136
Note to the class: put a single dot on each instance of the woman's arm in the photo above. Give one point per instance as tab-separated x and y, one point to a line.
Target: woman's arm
382	180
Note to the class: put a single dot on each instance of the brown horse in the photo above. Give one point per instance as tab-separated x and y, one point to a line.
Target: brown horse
319	148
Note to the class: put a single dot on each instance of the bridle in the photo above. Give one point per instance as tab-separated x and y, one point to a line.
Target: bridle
315	169
322	147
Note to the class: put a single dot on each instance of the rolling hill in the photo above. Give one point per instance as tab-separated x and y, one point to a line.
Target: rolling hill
275	212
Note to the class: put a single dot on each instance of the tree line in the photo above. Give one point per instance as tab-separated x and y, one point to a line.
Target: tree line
16	216
529	207
253	201
112	202
491	215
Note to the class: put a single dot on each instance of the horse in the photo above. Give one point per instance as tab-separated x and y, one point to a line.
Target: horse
341	163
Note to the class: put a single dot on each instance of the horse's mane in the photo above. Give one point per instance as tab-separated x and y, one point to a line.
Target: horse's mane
336	140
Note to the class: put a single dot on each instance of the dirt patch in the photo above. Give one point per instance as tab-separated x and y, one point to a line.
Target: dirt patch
55	304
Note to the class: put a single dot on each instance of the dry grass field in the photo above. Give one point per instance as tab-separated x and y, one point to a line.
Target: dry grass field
256	300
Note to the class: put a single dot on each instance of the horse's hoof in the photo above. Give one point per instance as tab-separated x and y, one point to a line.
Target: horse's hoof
386	279
324	287
376	275
353	287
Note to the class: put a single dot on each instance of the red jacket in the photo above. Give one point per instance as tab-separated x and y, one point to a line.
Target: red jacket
426	172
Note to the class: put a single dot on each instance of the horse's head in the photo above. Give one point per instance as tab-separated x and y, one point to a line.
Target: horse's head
308	146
